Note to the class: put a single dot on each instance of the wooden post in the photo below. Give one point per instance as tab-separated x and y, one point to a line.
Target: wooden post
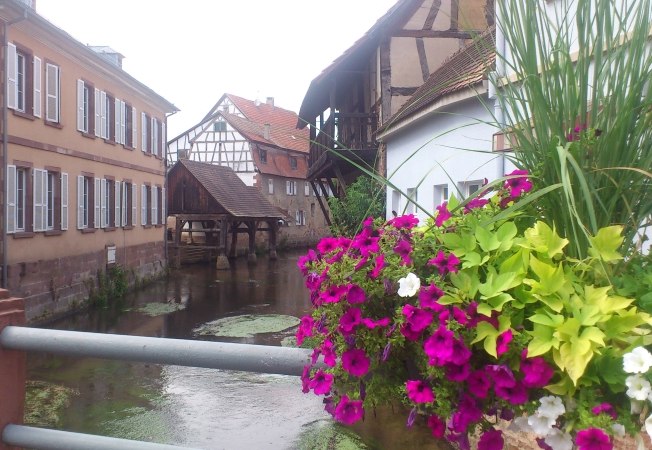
222	261
12	367
273	228
251	252
178	226
234	239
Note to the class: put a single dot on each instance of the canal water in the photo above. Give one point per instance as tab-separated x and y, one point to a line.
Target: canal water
207	408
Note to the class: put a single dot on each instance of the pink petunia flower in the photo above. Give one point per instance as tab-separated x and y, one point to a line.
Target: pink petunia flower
366	243
491	440
437	426
439	346
475	204
332	294
503	341
537	372
371	324
355	362
479	383
379	264
348	411
519	184
303	261
443	214
407	222
305	379
419	392
516	394
403	248
321	382
419	319
355	294
457	373
328	245
445	264
460	353
305	328
429	296
349	320
328	351
606	408
593	439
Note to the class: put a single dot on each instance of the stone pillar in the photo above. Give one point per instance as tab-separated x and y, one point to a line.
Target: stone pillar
222	261
234	239
251	230
273	229
12	367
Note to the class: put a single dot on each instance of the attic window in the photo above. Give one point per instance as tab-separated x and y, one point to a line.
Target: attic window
293	163
263	155
219	126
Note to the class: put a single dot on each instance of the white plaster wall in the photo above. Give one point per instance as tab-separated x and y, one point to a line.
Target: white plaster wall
449	147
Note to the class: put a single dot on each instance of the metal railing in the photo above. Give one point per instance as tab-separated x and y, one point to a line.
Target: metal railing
180	352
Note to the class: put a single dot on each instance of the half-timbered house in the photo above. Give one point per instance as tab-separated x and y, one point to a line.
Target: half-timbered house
259	141
360	91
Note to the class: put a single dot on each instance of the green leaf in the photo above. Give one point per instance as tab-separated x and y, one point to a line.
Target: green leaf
575	356
550	320
516	263
499	301
544	240
465	282
551	278
606	243
496	284
543	340
562	387
505	235
593	334
449	300
487	239
471	259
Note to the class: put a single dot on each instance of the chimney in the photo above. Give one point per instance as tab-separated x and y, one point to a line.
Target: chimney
257	102
270	101
267	131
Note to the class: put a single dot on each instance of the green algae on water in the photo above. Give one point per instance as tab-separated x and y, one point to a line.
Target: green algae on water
44	403
246	326
289	341
326	435
159	309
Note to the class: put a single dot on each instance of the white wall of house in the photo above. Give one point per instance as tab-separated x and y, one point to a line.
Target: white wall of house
447	152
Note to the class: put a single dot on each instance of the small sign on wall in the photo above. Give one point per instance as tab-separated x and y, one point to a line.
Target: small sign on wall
110	254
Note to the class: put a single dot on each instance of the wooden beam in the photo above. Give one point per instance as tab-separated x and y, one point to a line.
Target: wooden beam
324	210
454	34
423	59
432	14
340	177
403	91
455	15
385	81
333	188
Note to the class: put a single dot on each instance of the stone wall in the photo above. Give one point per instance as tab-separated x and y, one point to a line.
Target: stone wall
53	287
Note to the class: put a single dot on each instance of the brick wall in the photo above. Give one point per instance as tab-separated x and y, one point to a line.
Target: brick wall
53	287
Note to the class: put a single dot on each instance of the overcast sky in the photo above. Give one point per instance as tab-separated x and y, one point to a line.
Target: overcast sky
193	51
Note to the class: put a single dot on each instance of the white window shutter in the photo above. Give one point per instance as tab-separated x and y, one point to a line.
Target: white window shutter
98	205
153	140
64	201
287	187
164	217
11	199
125	204
118	212
80	106
143	205
52	93
38	198
143	126
270	186
98	113
37	86
80	202
117	120
12	77
123	121
154	195
164	144
103	206
103	116
134	203
134	127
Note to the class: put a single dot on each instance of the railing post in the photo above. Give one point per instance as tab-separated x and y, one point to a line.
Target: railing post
12	367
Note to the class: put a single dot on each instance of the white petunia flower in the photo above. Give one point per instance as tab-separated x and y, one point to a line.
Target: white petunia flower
520	424
551	407
636	406
638	360
541	425
559	440
639	387
648	425
409	285
618	429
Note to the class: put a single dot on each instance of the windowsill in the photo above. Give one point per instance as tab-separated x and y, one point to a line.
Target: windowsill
109	228
53	233
23	235
87	230
158	226
147	226
109	141
87	135
53	124
128	227
127	147
23	114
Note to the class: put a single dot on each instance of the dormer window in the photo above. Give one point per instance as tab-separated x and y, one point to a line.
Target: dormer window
263	156
293	163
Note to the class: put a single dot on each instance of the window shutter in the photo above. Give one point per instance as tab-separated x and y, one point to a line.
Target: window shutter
117	197
153	136
297	219
134	128
154	195
103	119
117	120
306	189
11	199
143	205
80	106
164	217
12	77
98	113
64	201
37	87
52	93
287	187
103	206
125	204
164	143
143	126
80	202
123	122
98	205
134	204
270	186
39	198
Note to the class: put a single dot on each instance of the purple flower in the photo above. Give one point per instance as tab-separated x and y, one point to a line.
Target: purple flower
355	294
437	426
439	346
445	264
519	184
593	439
303	261
443	214
491	440
371	324
460	354
328	350
379	264
462	440
606	408
460	316
327	245
332	294
467	413
348	411
321	382
501	375
305	328
479	383
429	296
457	373
502	342
355	362
365	243
419	392
407	222
419	319
474	204
305	379
386	351
404	248
360	264
314	280
516	394
349	320
537	372
411	418
541	442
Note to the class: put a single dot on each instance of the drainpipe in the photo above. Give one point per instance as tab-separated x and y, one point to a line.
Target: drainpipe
499	113
5	141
